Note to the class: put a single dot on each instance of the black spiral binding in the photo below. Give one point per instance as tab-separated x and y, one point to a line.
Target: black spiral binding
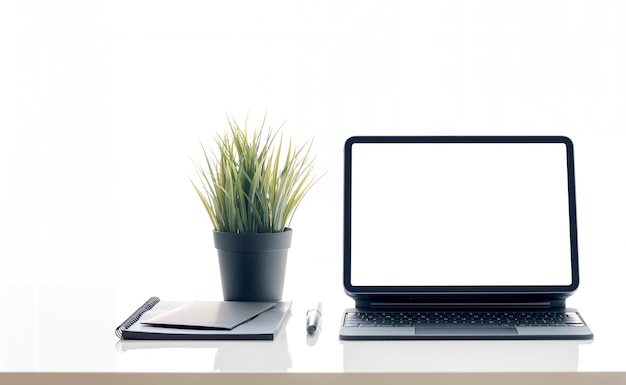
136	315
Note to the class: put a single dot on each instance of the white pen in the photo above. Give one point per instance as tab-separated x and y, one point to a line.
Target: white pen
313	317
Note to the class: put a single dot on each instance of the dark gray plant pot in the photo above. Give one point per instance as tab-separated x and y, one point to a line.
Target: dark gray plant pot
252	266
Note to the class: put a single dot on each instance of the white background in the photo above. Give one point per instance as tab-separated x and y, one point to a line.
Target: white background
103	102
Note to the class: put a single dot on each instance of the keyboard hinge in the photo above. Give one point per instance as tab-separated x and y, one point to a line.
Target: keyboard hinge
461	305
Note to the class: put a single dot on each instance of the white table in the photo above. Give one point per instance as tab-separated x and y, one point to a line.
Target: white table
66	335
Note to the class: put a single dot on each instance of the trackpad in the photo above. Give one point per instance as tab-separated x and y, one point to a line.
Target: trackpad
462	331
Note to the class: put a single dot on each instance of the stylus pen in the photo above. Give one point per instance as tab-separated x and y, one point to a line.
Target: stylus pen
313	317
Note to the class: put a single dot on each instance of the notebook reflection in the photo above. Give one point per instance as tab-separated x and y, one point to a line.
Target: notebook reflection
228	356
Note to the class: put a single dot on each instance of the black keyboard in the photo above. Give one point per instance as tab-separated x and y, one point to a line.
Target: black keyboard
461	318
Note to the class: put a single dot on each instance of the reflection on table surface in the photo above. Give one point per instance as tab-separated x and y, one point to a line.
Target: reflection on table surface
461	356
227	356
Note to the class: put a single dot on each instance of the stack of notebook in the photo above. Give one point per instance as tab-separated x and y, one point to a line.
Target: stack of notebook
205	320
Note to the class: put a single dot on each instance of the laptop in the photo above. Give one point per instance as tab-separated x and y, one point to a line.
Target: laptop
460	237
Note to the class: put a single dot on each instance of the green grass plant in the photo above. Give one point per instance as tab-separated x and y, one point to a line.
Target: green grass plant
253	182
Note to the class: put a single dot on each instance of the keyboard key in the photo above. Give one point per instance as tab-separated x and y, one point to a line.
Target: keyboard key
439	318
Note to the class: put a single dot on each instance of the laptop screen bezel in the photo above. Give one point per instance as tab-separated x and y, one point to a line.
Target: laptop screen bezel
434	291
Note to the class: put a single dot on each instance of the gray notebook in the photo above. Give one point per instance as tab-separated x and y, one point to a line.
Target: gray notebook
225	315
460	238
192	321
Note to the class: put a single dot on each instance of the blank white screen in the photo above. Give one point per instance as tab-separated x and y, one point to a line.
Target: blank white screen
460	214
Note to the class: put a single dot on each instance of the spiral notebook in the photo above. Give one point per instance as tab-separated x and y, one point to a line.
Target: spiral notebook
170	320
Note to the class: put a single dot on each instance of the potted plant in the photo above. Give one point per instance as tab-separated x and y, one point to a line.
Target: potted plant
251	186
